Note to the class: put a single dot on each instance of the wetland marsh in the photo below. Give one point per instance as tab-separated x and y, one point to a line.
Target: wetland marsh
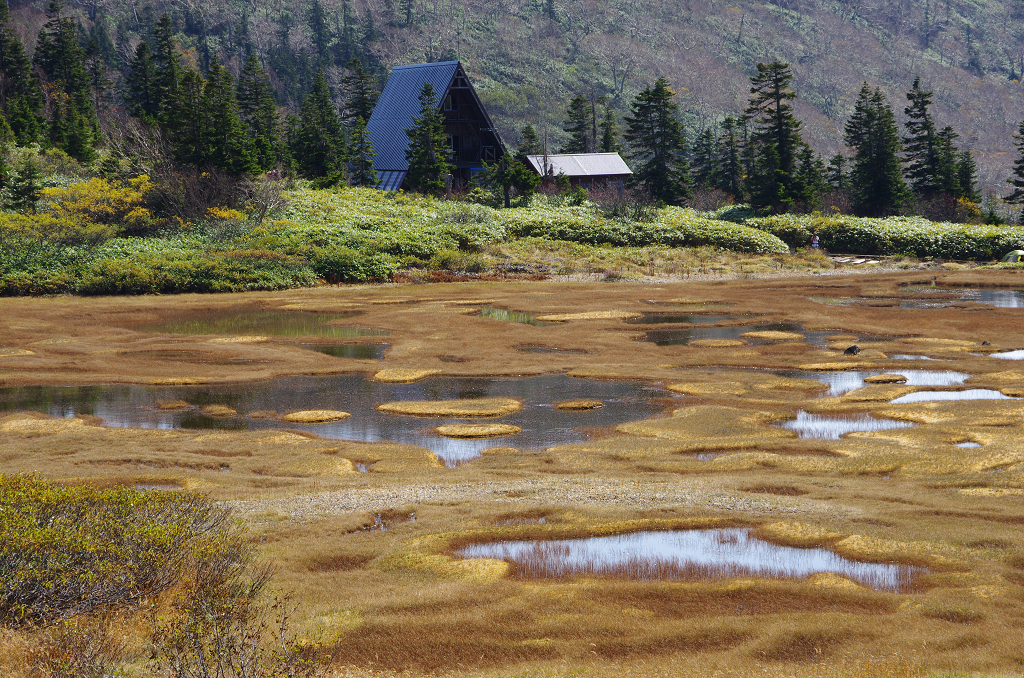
739	418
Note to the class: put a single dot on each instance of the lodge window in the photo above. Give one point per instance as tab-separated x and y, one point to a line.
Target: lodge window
448	104
487	153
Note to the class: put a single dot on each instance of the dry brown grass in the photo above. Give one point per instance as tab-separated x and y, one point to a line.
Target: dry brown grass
478	430
315	416
579	404
395	602
475	407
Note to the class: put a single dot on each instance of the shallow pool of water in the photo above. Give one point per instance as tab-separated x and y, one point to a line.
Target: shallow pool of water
970	445
263	323
832	427
680	318
907	356
513	316
543	424
843	382
1000	298
969	394
701	555
357	351
1009	355
683	336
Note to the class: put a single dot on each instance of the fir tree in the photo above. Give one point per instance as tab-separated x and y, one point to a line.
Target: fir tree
359	91
142	95
658	144
609	129
99	84
875	178
318	144
185	116
776	136
1017	180
704	163
19	90
258	112
921	148
529	143
577	126
836	173
508	174
428	153
319	33
361	164
224	140
730	161
946	177
167	68
967	176
25	187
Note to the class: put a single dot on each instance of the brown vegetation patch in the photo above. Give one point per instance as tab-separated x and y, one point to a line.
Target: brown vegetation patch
338	562
589	315
579	404
773	335
718	343
702	640
886	379
467	407
778	490
315	416
172	405
478	430
219	411
247	339
803	645
401	376
14	352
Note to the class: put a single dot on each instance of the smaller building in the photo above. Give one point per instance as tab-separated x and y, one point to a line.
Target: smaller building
584	169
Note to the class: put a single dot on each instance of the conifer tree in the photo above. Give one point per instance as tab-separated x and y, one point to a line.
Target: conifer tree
658	144
185	117
167	68
810	180
836	173
704	164
428	154
25	187
319	33
318	144
967	176
921	147
946	177
609	131
577	125
359	91
258	112
730	161
776	136
529	143
224	141
875	178
362	172
19	90
1017	180
142	94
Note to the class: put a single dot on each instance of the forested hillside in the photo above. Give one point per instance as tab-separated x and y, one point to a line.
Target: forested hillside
528	58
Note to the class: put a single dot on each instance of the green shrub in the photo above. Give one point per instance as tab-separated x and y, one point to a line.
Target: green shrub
344	264
66	551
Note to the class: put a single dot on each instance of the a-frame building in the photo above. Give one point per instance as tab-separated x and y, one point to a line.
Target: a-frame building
471	134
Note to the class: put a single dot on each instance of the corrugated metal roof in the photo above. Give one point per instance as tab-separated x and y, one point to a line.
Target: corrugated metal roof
391	180
582	164
398	105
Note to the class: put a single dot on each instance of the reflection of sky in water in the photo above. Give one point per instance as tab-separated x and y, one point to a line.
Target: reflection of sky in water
969	394
833	426
1009	355
844	382
907	356
968	445
997	298
683	336
543	424
687	554
659	318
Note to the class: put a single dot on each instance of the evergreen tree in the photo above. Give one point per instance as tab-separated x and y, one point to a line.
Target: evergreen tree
258	112
946	177
185	117
704	163
730	161
529	143
810	180
776	136
921	147
360	93
875	178
658	144
967	177
99	84
318	143
361	165
508	174
577	126
167	69
25	187
142	94
224	141
1017	180
319	33
609	131
19	90
836	174
428	153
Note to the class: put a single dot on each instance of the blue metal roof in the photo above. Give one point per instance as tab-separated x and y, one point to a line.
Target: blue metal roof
398	105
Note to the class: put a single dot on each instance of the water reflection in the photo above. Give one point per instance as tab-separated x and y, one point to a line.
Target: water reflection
845	381
833	426
659	318
969	394
265	323
1001	298
543	424
513	316
1009	355
702	555
683	336
357	351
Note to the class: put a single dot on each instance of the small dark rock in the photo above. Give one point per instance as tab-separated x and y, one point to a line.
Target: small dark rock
986	343
853	350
